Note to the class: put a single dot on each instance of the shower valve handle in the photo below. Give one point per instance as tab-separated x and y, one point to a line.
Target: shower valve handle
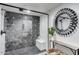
2	32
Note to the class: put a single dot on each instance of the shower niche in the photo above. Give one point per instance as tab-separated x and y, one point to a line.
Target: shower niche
21	30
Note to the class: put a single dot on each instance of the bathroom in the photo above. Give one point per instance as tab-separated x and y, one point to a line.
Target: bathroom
39	29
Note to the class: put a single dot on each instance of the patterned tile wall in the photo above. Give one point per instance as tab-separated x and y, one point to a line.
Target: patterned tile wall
19	34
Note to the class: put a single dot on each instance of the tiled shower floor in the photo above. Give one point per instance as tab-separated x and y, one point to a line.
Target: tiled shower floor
24	51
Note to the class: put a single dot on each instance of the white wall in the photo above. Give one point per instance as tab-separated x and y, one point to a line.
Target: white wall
43	32
43	26
74	38
2	37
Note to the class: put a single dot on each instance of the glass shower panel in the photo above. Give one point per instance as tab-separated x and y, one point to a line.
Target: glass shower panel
21	30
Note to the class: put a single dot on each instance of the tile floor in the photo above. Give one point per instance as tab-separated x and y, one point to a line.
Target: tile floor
24	51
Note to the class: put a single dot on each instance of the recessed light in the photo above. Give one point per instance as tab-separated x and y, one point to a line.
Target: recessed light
27	11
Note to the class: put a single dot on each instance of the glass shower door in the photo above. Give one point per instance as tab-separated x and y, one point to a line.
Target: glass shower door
18	29
21	33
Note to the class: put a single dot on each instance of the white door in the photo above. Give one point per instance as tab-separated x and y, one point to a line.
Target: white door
2	36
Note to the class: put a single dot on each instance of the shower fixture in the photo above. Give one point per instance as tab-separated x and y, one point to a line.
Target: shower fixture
20	9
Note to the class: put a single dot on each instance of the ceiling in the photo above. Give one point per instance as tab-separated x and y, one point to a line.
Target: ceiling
42	7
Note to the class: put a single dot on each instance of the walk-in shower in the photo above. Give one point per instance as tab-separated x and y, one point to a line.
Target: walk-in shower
21	30
25	33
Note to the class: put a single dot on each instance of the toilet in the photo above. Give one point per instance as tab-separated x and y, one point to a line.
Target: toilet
41	44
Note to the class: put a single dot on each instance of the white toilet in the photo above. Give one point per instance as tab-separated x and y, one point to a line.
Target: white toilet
41	44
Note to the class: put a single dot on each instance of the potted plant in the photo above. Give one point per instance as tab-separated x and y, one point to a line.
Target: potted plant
51	32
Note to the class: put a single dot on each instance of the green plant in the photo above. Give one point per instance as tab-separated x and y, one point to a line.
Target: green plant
51	31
